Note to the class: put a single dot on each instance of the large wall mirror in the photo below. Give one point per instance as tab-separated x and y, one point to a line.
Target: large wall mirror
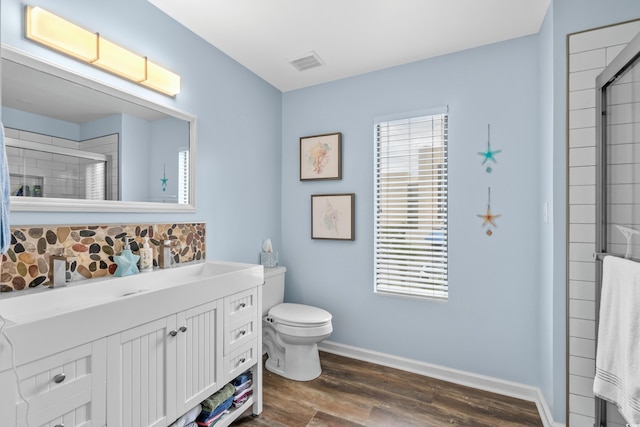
76	144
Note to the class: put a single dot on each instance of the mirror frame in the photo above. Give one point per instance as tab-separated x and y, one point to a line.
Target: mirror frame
42	204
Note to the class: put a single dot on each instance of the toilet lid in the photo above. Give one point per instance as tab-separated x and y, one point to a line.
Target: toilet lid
299	315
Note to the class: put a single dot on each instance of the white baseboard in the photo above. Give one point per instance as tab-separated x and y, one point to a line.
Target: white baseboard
481	382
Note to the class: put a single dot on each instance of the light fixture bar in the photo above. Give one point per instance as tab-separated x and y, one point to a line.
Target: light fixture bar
56	33
120	61
161	79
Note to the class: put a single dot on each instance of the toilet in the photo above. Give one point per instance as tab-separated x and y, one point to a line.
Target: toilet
291	332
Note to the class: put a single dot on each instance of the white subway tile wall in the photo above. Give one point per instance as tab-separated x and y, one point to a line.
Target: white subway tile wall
589	53
57	175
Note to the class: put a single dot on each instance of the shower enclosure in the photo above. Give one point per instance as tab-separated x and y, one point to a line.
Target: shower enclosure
46	170
617	168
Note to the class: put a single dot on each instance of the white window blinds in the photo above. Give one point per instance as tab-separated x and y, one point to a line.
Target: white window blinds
183	177
94	183
411	207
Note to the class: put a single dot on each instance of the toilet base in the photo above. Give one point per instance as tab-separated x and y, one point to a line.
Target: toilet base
299	362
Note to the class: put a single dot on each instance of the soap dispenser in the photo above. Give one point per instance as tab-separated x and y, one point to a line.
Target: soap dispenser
126	261
146	256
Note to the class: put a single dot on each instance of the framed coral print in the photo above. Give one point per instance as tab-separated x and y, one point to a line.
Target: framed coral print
321	157
332	216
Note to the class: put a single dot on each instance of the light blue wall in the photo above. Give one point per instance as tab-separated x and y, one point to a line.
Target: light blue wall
168	136
135	143
550	375
490	323
238	128
18	119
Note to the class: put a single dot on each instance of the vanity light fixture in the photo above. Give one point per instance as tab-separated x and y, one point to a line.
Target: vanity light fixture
54	32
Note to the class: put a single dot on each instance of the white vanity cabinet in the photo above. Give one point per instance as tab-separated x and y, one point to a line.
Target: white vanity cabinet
160	370
151	352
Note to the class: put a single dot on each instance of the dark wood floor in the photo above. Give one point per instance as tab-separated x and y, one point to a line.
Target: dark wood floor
354	393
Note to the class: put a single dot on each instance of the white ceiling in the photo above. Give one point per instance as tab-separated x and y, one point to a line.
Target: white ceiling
350	36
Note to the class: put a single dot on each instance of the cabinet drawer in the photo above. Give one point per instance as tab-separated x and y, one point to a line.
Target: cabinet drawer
74	411
239	361
240	305
239	333
64	386
66	373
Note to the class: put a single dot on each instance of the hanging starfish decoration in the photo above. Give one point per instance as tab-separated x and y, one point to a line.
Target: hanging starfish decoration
489	154
488	217
164	178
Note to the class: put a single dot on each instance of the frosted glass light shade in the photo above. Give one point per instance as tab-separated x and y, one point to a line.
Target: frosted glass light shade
120	61
52	31
161	79
57	33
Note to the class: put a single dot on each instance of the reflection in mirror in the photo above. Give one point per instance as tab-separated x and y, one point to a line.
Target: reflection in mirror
76	144
62	168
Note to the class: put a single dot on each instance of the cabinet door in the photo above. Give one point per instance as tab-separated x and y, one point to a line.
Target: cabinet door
141	380
199	359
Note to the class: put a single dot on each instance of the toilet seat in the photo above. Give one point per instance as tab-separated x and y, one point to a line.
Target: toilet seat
298	315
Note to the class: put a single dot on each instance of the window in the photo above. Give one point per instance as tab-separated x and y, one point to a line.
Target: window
183	177
411	207
94	184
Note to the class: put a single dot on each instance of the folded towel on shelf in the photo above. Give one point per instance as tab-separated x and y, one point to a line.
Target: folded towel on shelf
209	418
211	422
242	378
240	399
245	385
188	418
617	377
212	402
5	232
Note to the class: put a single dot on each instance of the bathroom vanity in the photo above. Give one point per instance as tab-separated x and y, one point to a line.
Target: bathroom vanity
134	351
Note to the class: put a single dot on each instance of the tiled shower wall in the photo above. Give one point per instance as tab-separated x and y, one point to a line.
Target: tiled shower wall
61	175
89	250
589	53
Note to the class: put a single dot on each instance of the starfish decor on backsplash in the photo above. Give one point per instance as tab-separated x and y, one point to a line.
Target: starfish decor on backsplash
489	154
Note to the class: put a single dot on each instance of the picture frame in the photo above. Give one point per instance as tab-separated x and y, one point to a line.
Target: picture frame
321	157
333	216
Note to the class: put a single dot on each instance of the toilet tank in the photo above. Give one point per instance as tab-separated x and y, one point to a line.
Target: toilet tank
273	289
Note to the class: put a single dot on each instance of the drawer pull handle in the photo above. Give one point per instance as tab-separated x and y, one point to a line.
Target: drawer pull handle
242	305
59	378
59	425
173	333
241	361
241	333
183	329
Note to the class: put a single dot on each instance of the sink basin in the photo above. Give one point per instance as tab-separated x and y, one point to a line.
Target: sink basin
40	304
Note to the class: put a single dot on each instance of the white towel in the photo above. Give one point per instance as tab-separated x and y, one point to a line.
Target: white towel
188	418
5	232
618	354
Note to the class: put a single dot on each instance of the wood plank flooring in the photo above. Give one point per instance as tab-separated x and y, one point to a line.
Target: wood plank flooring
353	393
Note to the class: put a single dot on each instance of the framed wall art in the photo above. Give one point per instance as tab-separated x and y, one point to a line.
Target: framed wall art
333	216
321	157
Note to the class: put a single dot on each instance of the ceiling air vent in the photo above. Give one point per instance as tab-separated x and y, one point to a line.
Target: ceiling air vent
306	62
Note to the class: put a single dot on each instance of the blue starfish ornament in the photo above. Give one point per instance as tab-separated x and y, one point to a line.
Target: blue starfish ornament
127	264
489	154
164	178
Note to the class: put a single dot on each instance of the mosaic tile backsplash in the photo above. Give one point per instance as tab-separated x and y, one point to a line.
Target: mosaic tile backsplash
89	250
